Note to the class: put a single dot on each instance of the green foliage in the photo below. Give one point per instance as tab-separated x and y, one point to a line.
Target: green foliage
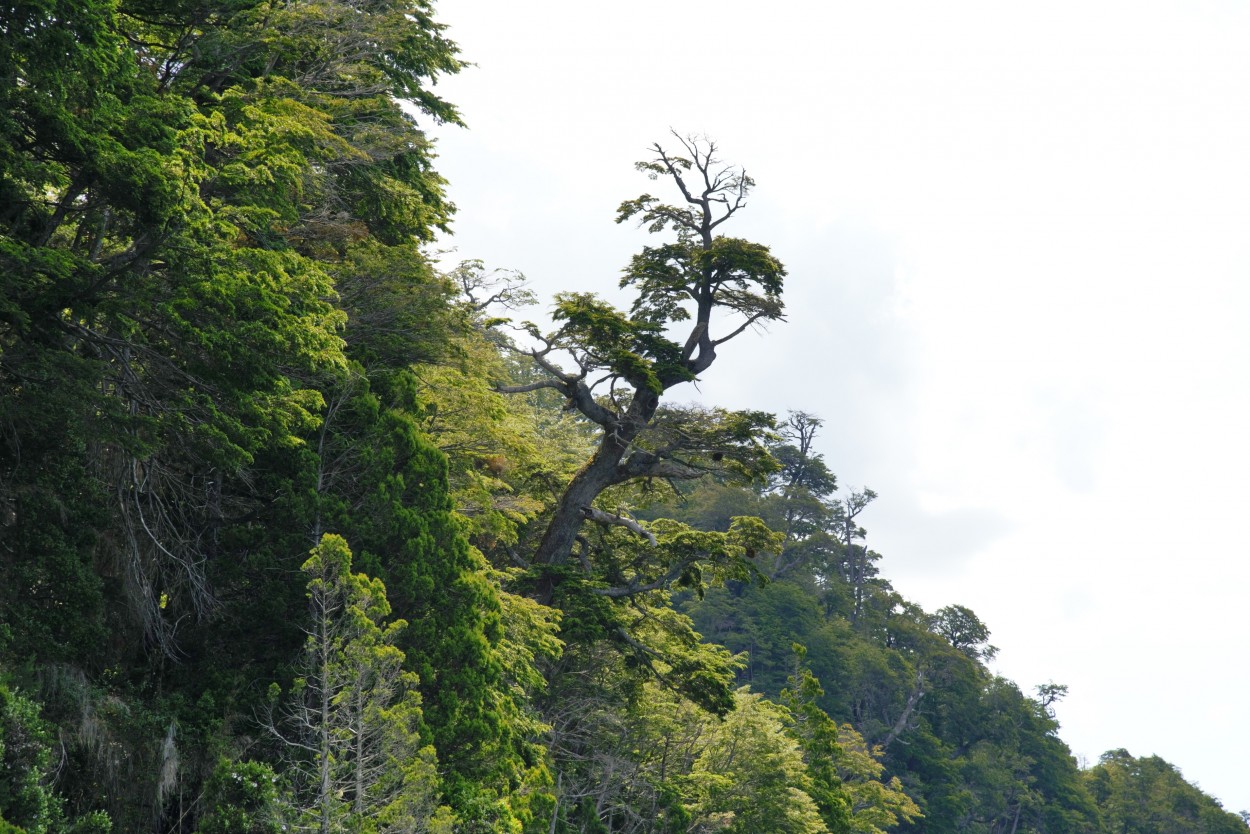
743	277
963	630
241	798
697	441
505	454
877	804
750	775
818	738
26	754
209	212
846	773
636	351
165	248
28	805
354	724
1149	795
907	696
405	530
220	337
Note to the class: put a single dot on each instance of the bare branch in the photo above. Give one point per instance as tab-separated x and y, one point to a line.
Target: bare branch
583	554
533	386
572	386
584	401
633	589
672	169
902	723
649	465
540	358
516	557
738	331
612	519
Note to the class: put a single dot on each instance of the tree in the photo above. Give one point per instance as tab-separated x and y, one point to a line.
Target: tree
177	182
624	363
28	804
241	798
619	746
908	688
750	775
1149	795
1048	694
846	772
210	218
588	555
857	562
353	725
799	494
968	634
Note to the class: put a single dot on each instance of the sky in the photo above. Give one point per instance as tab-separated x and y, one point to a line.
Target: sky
1018	244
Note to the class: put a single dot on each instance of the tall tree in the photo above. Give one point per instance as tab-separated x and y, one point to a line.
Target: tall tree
353	725
588	555
209	224
624	363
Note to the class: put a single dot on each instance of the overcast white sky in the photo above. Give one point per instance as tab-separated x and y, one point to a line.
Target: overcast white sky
1018	239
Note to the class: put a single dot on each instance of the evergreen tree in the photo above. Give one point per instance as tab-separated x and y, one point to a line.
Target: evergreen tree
353	726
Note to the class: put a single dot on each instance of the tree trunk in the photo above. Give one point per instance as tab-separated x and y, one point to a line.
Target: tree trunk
593	478
912	702
323	732
601	472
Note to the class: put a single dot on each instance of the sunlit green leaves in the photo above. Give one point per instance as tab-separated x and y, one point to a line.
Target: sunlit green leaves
735	275
750	774
634	350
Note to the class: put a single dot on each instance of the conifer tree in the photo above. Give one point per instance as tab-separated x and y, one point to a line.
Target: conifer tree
353	724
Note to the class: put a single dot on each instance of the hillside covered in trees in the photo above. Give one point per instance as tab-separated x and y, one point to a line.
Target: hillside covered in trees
300	533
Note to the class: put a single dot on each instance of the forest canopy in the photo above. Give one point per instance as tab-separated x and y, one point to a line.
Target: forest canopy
300	531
